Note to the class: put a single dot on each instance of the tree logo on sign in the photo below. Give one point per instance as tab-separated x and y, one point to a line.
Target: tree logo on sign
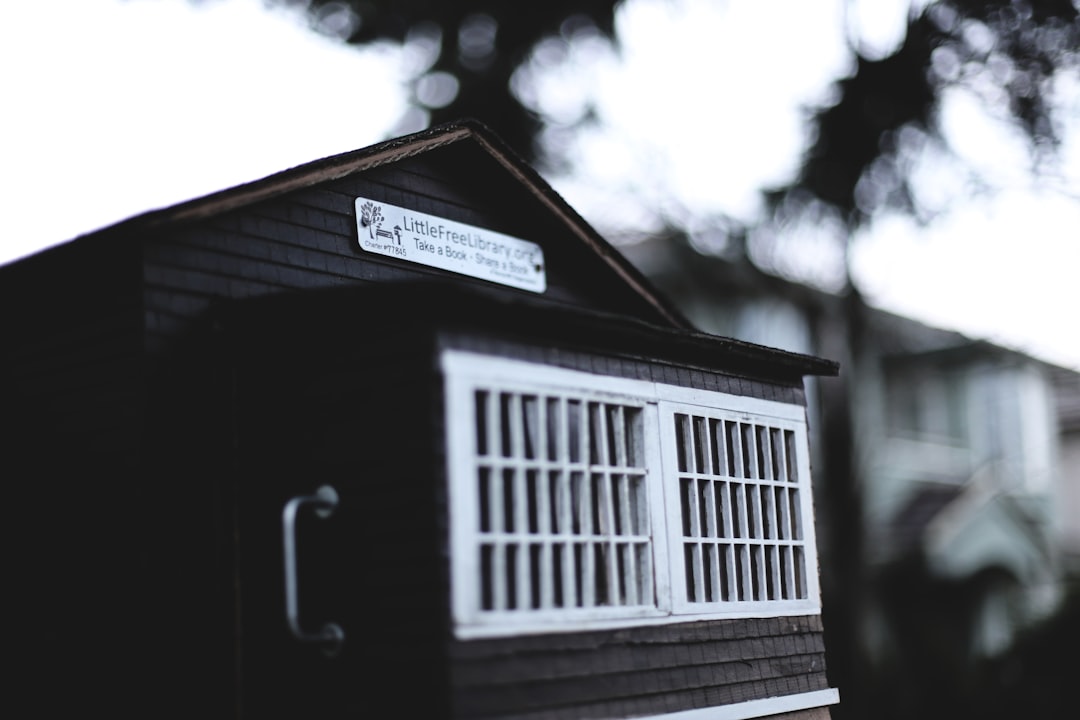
371	217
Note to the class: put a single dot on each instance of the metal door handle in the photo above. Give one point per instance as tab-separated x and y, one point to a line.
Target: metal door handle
325	500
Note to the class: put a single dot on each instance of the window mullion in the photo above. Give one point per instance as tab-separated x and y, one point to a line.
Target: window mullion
544	511
565	508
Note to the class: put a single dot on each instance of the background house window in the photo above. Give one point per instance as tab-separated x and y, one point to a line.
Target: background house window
579	500
927	402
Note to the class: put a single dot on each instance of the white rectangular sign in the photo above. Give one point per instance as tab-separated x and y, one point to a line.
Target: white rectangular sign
417	237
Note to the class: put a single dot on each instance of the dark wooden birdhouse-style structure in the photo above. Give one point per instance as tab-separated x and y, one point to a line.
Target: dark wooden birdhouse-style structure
397	433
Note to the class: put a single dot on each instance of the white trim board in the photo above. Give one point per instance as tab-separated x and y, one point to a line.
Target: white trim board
756	708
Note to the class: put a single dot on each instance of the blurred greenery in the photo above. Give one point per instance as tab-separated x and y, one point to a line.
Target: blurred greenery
929	670
1015	47
1034	679
855	164
477	43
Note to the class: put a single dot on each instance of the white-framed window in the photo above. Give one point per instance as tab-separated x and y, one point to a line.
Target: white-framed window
736	506
581	501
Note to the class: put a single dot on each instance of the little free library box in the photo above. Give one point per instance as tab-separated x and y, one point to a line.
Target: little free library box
396	433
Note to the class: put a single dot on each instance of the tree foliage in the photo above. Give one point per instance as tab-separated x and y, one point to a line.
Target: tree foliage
855	165
477	44
1012	47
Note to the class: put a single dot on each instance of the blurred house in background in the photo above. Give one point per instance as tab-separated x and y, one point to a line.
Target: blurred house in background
1067	384
959	445
948	469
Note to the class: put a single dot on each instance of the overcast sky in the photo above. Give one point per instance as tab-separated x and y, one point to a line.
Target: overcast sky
115	107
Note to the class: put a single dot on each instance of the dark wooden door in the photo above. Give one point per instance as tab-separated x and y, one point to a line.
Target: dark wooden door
279	674
317	411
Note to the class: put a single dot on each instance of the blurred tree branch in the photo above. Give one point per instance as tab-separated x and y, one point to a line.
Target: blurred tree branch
1018	44
855	166
478	43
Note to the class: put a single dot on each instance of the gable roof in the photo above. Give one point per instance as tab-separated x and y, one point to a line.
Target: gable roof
390	151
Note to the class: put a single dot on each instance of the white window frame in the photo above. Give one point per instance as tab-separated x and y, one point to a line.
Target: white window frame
757	536
465	373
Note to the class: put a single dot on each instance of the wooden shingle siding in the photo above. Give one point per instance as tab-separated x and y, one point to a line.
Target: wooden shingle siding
638	671
269	248
307	240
